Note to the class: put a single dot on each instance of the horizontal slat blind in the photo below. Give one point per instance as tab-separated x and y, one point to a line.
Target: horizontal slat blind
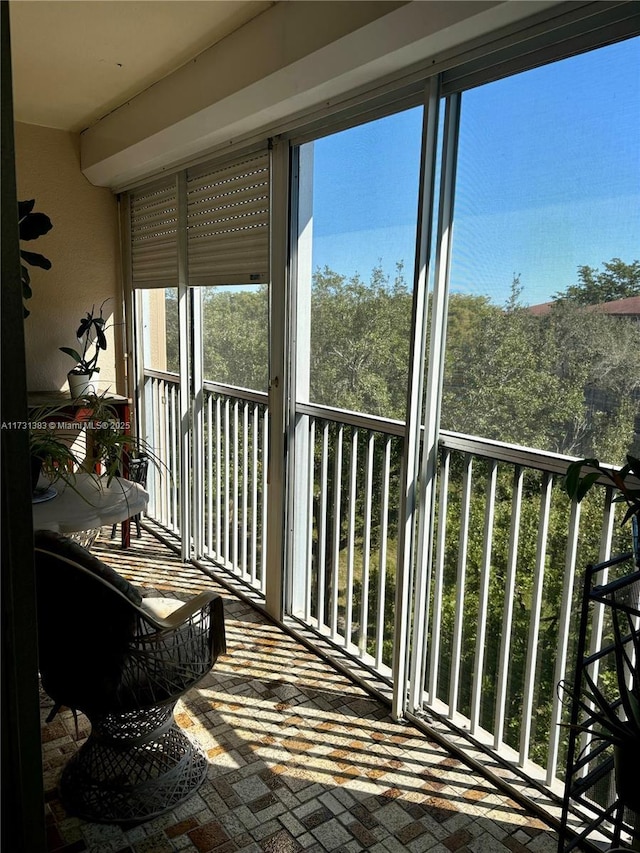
228	222
154	235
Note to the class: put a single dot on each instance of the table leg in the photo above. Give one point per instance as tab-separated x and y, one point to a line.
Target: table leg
126	533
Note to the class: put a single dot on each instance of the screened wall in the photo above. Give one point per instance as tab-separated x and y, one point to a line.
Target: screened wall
376	344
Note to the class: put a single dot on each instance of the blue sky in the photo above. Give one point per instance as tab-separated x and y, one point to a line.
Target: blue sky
548	180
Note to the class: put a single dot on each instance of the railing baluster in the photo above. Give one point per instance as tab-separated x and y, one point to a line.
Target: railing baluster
366	545
335	550
245	485
485	569
322	523
265	493
438	580
177	486
164	395
227	500
209	483
310	492
382	573
218	541
160	438
465	511
563	639
236	465
507	618
534	624
254	494
351	534
608	517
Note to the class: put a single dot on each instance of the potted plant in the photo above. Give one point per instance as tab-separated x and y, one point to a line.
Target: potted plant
50	450
91	333
110	444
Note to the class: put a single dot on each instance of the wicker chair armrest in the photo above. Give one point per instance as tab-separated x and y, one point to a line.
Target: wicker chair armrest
181	615
170	654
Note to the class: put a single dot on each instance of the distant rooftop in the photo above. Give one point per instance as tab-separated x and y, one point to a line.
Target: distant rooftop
628	307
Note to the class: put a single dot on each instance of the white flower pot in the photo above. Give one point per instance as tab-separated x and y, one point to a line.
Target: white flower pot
81	384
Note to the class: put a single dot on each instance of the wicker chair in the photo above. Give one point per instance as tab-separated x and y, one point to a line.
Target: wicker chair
123	661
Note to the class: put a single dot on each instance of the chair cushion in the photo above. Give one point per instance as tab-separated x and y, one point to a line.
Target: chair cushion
64	547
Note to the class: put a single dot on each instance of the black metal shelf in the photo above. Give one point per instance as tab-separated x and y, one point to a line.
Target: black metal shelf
590	789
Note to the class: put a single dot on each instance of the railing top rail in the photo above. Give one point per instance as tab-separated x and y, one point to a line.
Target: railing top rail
235	391
527	457
161	374
356	419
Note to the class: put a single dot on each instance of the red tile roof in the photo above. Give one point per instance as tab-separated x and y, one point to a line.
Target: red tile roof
628	307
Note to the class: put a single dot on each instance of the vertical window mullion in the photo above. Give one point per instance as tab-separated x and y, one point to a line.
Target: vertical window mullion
197	422
185	391
412	437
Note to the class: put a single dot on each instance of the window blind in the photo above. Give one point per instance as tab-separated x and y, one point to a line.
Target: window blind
154	235
228	222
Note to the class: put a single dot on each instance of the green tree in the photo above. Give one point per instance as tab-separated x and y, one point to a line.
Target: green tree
172	329
360	342
617	280
558	382
235	337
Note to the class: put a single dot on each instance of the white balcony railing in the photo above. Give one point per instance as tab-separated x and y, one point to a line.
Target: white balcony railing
235	501
161	429
504	575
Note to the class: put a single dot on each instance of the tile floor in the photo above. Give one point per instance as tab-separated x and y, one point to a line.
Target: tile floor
301	758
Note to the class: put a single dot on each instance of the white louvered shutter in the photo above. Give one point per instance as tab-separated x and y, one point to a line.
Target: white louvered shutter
228	222
154	235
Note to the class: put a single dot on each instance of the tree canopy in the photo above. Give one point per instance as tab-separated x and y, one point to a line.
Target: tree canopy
563	381
617	280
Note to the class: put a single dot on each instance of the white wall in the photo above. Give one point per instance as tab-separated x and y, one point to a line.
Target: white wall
83	249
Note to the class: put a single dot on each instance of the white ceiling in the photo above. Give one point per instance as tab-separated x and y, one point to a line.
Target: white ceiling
76	60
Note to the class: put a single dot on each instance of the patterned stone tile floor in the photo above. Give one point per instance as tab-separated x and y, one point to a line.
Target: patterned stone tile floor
300	757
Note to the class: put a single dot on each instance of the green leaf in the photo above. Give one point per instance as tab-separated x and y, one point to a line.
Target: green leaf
72	352
35	259
585	484
34	225
102	341
84	327
25	278
631	511
25	207
634	465
572	478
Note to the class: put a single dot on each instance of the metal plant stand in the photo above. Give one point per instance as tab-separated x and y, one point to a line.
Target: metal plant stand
609	596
